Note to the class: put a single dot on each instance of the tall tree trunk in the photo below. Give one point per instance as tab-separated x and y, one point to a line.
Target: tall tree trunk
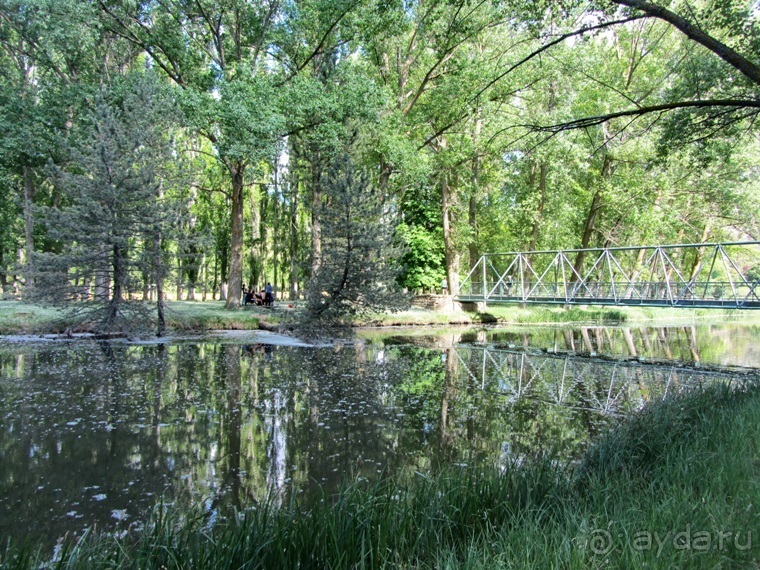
159	276
591	217
700	250
29	225
293	226
3	275
293	237
258	235
472	206
224	273
237	170
203	274
316	225
180	288
535	232
543	169
276	229
215	280
145	284
448	201
472	247
118	279
385	177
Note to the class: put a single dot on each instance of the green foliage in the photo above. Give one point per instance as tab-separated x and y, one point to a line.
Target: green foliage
420	233
446	94
356	272
117	189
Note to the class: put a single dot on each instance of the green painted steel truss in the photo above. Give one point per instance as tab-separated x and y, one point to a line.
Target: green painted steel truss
701	275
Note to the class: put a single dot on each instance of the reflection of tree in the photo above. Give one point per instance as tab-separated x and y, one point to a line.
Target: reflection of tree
232	414
449	380
232	423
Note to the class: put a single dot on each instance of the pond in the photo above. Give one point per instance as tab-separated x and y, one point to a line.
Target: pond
96	434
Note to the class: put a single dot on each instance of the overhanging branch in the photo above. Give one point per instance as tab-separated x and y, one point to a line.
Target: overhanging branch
693	32
584	122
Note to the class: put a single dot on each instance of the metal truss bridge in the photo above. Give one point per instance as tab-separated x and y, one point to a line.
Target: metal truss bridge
700	275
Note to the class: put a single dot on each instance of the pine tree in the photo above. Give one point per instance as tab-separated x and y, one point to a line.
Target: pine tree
117	213
357	273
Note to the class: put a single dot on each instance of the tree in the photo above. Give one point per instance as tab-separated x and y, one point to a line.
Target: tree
214	52
118	208
726	29
357	271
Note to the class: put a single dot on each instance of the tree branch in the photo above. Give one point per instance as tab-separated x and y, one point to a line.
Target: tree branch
734	59
599	119
523	61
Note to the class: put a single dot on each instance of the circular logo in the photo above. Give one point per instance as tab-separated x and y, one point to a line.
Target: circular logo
600	541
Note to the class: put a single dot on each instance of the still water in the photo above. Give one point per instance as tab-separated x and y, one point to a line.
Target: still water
95	434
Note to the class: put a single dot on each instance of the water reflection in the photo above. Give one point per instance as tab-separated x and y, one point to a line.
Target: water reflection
98	433
724	344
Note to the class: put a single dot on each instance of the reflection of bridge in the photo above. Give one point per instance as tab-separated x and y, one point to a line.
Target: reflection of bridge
704	275
595	385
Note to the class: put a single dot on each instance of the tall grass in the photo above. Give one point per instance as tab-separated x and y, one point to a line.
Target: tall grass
681	472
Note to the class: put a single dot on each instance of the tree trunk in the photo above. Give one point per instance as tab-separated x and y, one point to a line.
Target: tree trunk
472	206
236	244
448	201
542	170
700	251
29	225
102	287
3	276
215	280
203	274
293	226
385	177
179	278
118	280
293	238
472	247
258	236
159	276
316	226
223	270
591	217
276	229
145	285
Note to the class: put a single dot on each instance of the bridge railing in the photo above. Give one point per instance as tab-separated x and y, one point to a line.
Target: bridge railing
696	275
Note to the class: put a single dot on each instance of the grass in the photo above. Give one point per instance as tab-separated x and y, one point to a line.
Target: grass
675	487
212	315
17	317
24	318
550	314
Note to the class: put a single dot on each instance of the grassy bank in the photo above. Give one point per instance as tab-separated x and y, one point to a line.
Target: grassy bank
17	317
22	318
675	487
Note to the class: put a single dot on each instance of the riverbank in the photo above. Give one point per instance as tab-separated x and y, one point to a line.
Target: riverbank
674	486
18	318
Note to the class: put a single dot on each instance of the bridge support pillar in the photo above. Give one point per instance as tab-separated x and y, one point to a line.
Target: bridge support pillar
470	306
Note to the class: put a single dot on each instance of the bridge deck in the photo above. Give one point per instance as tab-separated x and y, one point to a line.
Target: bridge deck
609	301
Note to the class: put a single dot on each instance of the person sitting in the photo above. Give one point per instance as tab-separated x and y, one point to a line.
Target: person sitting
247	296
